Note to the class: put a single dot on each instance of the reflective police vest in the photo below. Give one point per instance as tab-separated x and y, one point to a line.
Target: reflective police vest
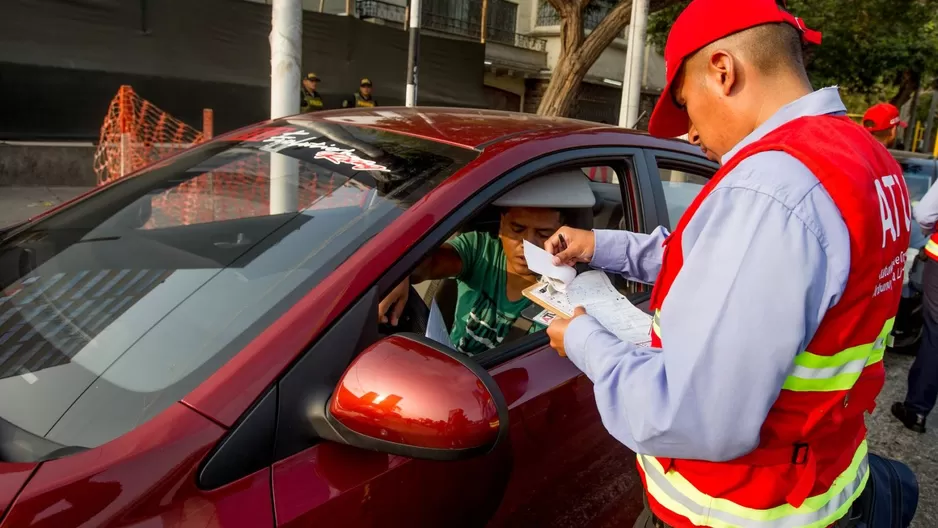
361	102
811	461
310	102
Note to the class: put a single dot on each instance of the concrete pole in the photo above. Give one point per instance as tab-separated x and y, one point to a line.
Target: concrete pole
286	37
632	80
413	53
930	122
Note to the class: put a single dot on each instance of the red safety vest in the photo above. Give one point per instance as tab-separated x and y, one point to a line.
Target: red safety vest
811	461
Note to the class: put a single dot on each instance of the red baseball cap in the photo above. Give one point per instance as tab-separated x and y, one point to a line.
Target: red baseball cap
883	116
704	22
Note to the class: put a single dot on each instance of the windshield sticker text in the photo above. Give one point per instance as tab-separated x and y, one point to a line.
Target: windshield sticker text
327	151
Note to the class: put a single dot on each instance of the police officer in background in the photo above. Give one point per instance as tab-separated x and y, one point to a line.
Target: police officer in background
310	100
362	98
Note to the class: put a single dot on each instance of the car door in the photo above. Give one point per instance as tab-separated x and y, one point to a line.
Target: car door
567	470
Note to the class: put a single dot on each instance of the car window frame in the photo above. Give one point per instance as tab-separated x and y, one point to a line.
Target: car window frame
636	177
693	164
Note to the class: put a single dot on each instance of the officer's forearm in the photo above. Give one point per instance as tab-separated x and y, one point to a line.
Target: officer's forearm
636	256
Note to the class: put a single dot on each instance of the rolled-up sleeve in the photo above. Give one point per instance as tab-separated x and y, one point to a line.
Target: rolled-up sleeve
754	285
635	256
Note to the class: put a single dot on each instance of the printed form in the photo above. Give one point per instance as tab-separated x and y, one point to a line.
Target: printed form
561	290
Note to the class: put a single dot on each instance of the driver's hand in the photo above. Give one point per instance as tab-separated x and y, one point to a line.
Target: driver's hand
391	308
569	246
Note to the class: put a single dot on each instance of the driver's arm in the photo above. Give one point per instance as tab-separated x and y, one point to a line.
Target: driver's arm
442	263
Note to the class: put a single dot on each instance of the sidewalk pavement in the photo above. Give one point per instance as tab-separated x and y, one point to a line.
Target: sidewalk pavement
887	436
20	203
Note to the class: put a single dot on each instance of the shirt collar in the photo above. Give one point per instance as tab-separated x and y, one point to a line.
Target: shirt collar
825	101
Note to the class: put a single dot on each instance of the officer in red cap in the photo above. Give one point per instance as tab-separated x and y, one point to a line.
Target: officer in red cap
882	120
773	295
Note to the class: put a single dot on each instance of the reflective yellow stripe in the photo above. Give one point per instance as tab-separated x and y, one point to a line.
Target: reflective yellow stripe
678	495
814	373
931	248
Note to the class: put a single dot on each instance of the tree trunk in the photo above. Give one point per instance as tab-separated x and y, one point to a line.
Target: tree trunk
578	55
908	82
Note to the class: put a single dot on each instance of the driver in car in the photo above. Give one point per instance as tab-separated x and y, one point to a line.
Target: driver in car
491	273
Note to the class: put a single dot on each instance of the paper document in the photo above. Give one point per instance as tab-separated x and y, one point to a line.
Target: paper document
542	263
436	326
594	291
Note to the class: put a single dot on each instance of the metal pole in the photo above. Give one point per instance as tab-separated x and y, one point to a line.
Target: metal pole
413	53
485	13
632	79
910	130
930	121
286	36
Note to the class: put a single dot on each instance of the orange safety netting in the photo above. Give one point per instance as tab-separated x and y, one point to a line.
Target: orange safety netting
241	189
137	133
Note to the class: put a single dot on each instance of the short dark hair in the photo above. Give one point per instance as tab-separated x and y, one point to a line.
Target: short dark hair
773	47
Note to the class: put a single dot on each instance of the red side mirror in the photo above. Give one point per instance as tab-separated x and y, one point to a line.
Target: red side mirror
409	396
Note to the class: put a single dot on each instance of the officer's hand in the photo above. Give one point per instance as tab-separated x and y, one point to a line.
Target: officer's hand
391	308
558	328
576	245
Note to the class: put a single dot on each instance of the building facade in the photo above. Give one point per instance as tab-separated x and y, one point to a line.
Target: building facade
522	44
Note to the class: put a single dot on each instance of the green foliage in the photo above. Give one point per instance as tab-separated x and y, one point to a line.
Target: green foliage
867	44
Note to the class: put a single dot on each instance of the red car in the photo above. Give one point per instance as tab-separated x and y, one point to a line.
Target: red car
197	345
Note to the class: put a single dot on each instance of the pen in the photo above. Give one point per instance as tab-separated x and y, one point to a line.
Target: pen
563	242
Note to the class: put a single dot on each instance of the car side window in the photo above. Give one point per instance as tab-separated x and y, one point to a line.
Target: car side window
681	183
617	207
461	301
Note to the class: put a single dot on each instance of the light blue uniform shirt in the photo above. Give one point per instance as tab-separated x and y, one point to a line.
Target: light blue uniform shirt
926	211
765	257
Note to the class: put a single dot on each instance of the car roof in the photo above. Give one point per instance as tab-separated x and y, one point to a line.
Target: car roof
477	129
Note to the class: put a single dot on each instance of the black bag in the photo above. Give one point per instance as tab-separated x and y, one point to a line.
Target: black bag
890	498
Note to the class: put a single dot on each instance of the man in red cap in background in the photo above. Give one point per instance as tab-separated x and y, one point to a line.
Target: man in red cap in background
773	295
882	120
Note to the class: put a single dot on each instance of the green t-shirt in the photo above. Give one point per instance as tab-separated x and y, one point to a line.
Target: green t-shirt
484	315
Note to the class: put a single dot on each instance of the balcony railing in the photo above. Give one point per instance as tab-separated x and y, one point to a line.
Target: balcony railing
453	26
380	10
515	39
592	16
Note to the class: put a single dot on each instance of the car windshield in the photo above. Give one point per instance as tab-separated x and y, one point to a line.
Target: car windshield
118	305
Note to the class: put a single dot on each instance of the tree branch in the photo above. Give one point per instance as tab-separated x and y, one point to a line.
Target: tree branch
611	26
